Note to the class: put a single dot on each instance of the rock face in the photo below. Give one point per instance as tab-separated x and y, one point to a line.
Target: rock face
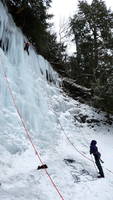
76	91
93	121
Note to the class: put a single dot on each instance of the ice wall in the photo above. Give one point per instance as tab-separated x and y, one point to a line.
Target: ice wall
27	75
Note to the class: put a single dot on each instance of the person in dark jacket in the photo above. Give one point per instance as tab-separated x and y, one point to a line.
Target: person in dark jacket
26	47
97	155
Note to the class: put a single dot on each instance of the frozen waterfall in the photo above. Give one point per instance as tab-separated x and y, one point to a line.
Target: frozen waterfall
55	126
32	91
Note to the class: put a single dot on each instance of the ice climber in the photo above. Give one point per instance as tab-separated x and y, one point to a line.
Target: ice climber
26	47
97	155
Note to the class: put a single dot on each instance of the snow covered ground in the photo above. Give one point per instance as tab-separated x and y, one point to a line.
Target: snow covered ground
55	126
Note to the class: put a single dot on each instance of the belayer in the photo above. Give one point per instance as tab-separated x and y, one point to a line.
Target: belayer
97	155
26	47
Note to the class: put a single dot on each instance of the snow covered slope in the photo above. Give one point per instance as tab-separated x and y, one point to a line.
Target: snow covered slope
55	126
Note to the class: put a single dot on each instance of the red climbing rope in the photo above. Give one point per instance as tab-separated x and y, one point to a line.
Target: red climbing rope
76	147
29	137
80	151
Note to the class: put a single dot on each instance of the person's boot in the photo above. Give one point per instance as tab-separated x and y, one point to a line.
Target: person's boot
100	176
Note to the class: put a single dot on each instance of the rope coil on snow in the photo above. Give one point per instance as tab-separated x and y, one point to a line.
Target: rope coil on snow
76	147
78	150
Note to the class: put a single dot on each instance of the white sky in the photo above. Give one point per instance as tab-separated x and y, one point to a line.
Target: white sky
62	9
65	8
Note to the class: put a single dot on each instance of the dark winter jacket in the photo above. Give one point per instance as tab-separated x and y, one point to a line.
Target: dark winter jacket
94	150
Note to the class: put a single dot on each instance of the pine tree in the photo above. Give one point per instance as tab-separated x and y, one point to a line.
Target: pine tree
92	28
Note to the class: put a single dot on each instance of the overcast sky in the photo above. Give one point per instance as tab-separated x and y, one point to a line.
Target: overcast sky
65	8
62	9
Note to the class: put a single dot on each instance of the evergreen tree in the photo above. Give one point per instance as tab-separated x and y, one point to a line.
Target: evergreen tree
92	28
33	18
